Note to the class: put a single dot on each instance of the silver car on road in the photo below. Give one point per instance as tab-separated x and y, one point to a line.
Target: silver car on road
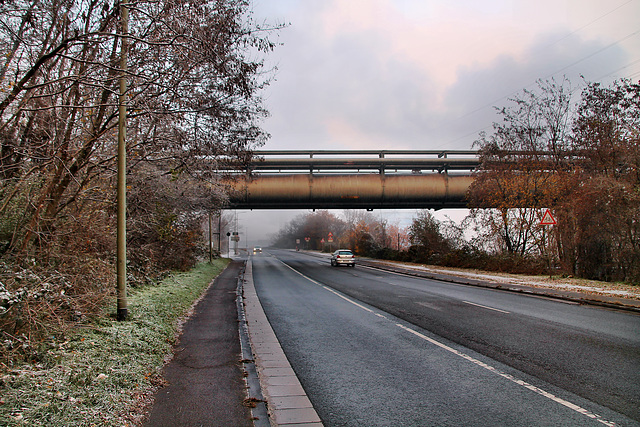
343	257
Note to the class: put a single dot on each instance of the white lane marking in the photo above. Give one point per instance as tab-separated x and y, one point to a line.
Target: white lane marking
475	361
553	299
386	271
484	306
510	377
347	299
336	293
429	305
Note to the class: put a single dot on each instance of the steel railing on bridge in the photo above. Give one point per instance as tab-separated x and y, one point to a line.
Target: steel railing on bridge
355	161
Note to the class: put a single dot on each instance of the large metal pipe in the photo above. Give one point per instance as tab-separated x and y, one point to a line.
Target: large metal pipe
356	191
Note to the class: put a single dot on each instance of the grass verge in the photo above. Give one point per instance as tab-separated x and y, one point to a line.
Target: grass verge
105	373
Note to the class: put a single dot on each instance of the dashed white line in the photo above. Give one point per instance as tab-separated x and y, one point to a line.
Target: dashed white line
511	378
484	306
473	360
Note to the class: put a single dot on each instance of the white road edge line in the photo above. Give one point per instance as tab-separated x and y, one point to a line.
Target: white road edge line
484	306
477	362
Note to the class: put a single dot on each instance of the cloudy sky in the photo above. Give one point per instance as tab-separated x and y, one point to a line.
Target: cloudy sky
426	74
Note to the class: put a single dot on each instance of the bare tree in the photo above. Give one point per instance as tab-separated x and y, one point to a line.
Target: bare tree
525	166
193	97
605	208
582	164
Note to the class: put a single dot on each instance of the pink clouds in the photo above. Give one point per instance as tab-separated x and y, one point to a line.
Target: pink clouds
426	74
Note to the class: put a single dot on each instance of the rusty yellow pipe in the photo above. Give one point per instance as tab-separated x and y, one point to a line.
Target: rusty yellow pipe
356	191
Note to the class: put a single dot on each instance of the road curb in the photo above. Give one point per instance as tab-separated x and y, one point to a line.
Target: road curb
255	399
286	401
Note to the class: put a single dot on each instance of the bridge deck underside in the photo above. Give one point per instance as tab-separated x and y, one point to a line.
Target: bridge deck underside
356	191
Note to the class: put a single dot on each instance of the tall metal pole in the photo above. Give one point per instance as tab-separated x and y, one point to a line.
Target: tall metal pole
220	233
122	169
210	240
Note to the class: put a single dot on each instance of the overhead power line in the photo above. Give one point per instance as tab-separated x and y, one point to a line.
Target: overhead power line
548	76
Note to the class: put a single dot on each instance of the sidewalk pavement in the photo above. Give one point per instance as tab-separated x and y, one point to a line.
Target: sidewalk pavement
206	385
210	376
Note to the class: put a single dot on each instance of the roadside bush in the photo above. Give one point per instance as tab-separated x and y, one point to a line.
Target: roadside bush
513	263
39	303
465	257
387	253
468	257
103	372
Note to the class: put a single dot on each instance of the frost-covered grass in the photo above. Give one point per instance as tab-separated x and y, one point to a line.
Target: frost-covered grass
104	373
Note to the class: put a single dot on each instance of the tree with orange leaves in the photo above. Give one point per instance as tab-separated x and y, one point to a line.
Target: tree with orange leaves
583	164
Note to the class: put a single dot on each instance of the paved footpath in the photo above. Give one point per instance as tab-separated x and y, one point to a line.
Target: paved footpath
210	375
206	385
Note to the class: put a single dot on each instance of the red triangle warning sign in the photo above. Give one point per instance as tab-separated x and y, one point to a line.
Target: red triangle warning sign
548	219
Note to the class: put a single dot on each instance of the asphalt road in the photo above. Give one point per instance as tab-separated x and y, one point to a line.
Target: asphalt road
376	348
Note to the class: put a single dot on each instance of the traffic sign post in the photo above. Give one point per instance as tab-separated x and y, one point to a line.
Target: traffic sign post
235	236
548	219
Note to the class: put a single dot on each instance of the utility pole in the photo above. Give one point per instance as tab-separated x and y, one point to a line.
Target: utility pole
220	233
210	242
121	264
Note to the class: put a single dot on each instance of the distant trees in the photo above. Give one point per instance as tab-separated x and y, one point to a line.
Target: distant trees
315	226
360	231
582	163
365	234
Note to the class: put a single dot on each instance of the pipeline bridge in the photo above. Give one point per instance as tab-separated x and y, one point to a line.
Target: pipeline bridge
365	179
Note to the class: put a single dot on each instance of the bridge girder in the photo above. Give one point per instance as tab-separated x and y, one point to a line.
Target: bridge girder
352	191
